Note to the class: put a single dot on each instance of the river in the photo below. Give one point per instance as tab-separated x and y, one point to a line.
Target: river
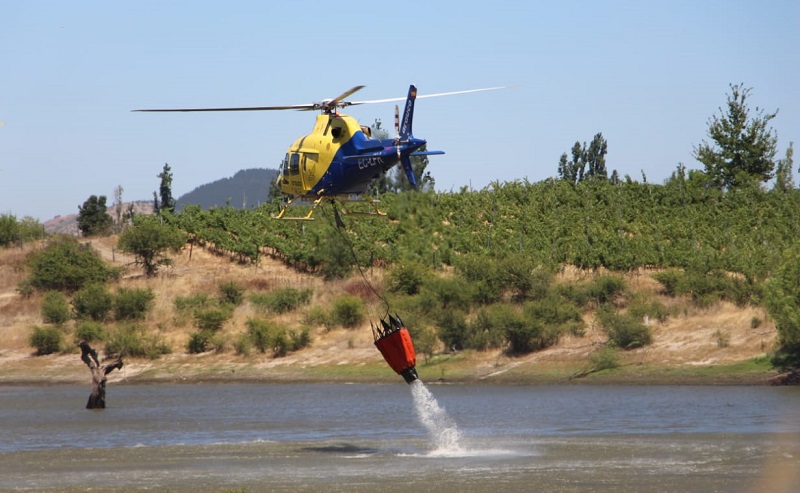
400	438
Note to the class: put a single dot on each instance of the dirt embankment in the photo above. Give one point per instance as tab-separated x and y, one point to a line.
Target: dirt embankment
720	344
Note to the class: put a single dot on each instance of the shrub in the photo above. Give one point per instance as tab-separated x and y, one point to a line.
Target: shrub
281	300
347	311
132	303
484	333
211	319
672	281
406	278
453	329
192	303
198	342
554	311
454	292
484	276
55	308
243	345
66	265
9	230
317	315
231	293
149	239
132	340
642	306
605	288
523	278
782	297
259	331
90	331
93	301
624	330
606	358
46	340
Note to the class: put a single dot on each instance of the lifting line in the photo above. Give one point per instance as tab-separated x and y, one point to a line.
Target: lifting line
340	226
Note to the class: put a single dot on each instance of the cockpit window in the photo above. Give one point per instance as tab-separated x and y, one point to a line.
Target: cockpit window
285	164
294	164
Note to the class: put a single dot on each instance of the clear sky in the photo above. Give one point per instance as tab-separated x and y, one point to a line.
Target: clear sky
647	74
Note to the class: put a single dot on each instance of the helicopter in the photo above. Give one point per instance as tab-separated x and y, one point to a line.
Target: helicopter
338	160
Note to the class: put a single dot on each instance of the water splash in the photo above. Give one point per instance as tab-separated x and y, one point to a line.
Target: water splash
442	430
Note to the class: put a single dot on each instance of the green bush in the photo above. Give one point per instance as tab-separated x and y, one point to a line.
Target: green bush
782	296
624	330
192	303
199	342
523	278
89	331
134	341
406	278
46	340
260	333
485	277
55	308
149	240
66	265
211	319
554	311
484	333
604	288
452	329
347	311
281	300
133	303
642	306
93	302
9	230
606	358
231	293
672	281
454	292
317	315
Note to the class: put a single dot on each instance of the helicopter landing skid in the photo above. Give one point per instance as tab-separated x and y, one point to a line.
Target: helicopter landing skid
341	199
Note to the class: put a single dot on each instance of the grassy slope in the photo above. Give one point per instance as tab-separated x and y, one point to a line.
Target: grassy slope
685	347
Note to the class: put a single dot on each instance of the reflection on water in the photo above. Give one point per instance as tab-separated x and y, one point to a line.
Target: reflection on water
369	437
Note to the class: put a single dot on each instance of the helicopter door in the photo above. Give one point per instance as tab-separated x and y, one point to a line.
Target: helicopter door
309	170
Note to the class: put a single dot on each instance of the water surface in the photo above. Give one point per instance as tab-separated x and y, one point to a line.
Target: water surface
395	437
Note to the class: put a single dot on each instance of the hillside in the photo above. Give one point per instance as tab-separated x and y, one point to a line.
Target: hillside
717	344
247	188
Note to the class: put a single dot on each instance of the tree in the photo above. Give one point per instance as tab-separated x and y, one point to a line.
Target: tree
784	181
587	162
743	148
92	217
165	190
148	239
97	399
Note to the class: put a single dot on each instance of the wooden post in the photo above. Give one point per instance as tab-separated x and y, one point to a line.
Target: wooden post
97	400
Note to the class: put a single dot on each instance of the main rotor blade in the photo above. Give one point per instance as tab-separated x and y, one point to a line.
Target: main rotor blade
432	95
345	94
253	108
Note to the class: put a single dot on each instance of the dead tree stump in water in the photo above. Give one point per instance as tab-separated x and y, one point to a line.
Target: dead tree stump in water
97	400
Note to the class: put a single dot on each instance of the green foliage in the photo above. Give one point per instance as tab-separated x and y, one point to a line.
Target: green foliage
452	328
407	277
55	308
587	162
92	302
231	293
673	281
9	230
281	300
134	341
89	331
485	277
605	358
604	288
149	240
133	303
558	316
450	292
211	319
167	203
199	342
347	311
624	330
93	219
46	340
520	275
265	335
66	265
744	148
782	297
192	303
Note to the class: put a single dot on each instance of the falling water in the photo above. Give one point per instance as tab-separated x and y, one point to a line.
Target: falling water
441	428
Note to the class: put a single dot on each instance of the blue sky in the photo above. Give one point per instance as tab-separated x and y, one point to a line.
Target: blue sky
647	74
